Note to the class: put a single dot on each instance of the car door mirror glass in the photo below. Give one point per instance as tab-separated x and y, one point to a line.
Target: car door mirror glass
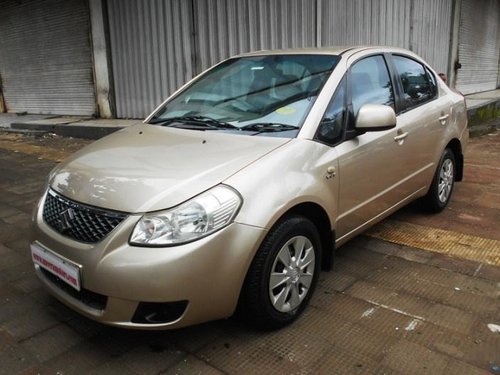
375	117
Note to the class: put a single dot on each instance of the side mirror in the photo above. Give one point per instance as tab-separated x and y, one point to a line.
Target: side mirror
375	117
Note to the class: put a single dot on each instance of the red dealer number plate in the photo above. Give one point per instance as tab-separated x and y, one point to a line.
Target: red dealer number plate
65	270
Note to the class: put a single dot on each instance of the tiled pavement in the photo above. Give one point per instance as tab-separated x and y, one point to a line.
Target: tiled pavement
385	309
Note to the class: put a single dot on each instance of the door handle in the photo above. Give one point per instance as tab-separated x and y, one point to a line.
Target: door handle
401	137
443	118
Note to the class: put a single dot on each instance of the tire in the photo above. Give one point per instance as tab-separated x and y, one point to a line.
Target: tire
294	280
439	193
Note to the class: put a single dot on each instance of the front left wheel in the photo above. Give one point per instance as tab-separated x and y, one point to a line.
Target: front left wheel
283	274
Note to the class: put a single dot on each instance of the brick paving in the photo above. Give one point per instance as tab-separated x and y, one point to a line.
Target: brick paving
385	308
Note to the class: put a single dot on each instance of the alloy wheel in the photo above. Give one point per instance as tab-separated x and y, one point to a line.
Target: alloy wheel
292	274
445	180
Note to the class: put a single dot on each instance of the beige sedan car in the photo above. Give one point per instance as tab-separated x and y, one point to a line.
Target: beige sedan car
235	191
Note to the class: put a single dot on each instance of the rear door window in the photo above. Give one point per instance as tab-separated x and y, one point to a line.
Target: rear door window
418	87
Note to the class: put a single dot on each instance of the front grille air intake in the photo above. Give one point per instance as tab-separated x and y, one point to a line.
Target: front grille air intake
78	221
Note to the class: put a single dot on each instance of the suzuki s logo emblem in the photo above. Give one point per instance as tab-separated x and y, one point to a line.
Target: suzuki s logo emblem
65	219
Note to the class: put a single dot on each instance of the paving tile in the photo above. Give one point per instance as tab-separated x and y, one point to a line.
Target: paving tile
338	361
361	254
28	324
409	358
413	255
113	367
5	339
352	267
441	339
489	272
414	306
283	351
146	360
343	305
17	306
400	280
20	246
365	340
321	325
7	211
83	357
28	283
389	322
191	339
485	307
464	266
20	218
461	368
451	317
12	259
338	280
191	365
51	342
11	232
15	359
379	246
16	272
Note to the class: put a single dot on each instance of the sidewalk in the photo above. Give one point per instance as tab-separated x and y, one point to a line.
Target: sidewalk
483	109
69	126
386	308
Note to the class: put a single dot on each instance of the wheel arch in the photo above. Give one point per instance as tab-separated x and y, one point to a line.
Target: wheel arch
318	216
455	146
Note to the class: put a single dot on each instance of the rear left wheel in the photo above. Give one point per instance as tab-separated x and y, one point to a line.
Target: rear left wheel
283	274
442	185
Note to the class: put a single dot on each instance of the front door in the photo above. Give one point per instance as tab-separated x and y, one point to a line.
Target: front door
370	169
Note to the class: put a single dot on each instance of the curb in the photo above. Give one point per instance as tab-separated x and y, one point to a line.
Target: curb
68	130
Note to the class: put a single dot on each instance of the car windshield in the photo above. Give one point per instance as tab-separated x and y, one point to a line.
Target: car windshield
257	94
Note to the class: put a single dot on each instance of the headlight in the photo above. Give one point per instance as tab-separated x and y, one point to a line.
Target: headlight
194	219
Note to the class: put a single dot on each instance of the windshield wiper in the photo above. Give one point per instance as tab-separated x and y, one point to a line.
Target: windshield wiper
267	127
194	122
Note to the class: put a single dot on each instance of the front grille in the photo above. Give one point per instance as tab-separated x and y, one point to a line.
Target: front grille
94	300
78	221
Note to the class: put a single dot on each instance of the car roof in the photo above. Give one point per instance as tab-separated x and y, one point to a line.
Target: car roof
333	50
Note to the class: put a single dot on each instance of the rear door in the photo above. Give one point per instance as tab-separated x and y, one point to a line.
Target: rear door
422	120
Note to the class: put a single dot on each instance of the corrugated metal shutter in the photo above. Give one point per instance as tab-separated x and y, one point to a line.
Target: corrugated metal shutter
430	35
479	46
228	27
45	57
151	48
156	46
422	26
365	22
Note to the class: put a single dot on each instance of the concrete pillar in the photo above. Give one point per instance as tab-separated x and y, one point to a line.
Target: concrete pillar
454	35
102	63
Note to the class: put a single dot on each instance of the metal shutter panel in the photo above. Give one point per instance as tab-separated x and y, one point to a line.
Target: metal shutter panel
45	57
478	46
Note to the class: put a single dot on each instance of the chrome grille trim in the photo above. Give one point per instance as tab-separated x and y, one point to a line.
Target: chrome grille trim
78	221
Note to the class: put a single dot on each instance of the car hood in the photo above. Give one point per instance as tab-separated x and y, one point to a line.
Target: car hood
147	168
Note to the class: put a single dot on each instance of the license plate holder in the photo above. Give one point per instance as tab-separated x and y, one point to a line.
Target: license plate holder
65	270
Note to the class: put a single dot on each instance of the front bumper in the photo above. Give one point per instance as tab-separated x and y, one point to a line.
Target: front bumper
204	276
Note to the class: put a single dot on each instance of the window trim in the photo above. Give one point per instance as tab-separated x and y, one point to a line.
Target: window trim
402	108
342	136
